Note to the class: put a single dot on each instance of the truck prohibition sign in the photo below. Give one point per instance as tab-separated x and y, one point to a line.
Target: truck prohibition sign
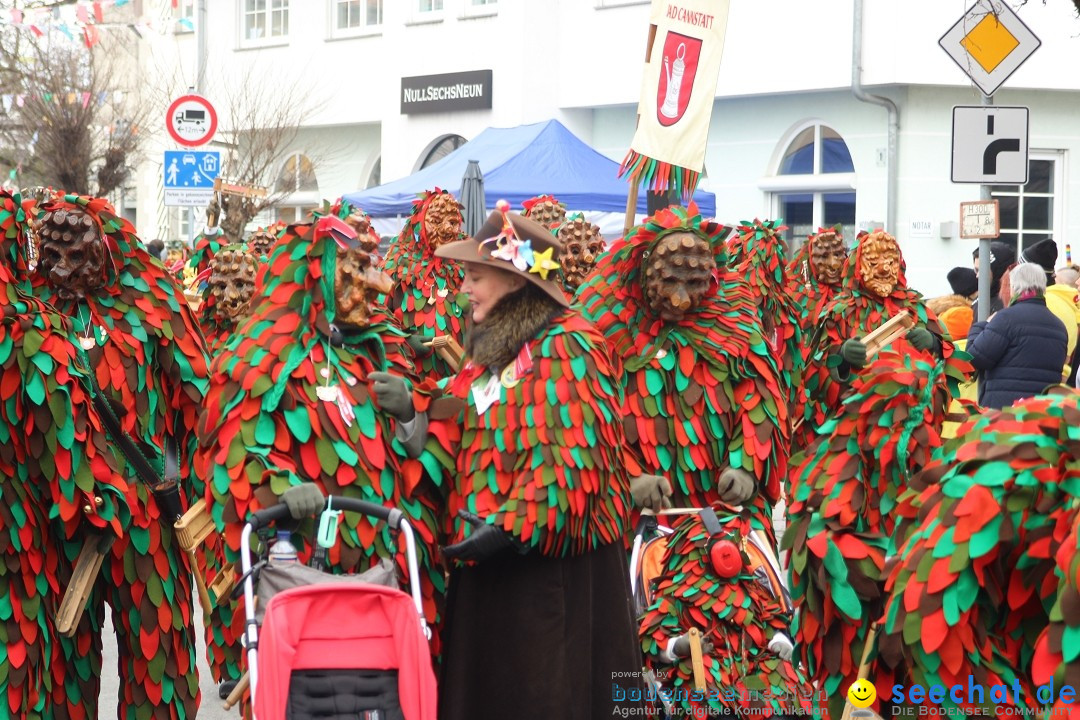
191	120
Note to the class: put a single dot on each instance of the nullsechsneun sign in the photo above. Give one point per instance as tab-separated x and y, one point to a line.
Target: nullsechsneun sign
446	93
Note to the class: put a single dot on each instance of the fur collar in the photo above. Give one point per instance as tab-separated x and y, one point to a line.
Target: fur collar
513	321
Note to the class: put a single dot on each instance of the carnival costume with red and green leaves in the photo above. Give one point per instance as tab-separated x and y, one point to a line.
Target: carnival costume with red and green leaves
543	461
702	394
54	461
216	330
975	581
267	427
808	293
1057	652
149	362
737	611
844	490
851	315
427	297
758	254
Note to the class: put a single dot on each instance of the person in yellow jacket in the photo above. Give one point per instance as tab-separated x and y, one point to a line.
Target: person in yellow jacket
1060	298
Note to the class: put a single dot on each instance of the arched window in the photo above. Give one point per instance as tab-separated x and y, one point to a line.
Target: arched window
297	181
439	149
813	182
297	175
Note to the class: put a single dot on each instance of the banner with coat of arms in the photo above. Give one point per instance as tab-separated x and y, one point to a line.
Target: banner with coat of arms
668	150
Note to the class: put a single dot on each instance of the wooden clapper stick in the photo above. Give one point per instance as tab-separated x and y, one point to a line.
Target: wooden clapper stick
864	672
448	349
86	570
195	526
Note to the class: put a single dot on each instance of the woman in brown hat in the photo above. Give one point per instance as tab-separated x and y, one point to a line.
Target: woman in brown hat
538	620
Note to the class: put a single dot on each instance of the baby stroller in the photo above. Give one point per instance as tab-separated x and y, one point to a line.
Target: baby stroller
343	647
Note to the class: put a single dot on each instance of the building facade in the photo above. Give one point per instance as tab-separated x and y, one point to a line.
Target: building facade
788	136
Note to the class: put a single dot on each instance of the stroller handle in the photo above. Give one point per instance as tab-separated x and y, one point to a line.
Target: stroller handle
267	516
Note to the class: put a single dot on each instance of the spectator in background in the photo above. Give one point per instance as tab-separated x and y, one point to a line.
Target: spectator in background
1002	257
1060	300
1067	275
1065	288
155	248
954	311
1020	351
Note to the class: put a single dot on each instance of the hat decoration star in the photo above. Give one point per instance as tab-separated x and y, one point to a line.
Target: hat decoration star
543	263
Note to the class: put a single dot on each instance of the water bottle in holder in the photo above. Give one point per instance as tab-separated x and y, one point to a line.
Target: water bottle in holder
283	551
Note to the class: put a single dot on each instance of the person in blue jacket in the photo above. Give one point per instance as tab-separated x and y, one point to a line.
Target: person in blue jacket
1020	350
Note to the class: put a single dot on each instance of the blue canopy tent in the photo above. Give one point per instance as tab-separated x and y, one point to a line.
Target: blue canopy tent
520	163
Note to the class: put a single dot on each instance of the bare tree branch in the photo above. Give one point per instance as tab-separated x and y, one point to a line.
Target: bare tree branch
76	121
261	132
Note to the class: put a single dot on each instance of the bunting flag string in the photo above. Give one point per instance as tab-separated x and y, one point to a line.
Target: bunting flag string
77	18
9	100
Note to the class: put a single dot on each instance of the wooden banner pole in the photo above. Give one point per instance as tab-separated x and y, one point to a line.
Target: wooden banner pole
632	195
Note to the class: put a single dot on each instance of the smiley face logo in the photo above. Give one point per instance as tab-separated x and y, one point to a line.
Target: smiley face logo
862	693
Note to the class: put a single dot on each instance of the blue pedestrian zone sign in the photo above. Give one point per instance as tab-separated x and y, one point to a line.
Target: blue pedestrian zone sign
189	177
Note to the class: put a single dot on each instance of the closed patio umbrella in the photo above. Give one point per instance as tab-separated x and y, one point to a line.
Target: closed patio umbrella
472	198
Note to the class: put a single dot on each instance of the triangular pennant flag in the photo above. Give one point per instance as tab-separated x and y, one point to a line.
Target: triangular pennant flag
81	15
71	98
90	34
86	95
99	14
16	16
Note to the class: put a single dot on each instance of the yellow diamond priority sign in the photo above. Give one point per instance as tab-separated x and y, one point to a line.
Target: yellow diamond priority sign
989	43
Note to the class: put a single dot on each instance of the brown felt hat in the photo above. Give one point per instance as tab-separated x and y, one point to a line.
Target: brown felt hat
509	241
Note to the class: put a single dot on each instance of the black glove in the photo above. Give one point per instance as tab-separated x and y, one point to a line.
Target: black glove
485	541
854	353
418	344
681	648
303	500
393	395
920	338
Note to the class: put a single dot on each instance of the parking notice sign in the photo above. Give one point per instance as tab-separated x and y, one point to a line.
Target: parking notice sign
189	177
191	120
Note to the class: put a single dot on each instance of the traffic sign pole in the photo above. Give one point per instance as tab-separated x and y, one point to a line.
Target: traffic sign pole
984	250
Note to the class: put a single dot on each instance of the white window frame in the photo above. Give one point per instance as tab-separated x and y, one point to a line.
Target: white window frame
268	11
362	30
422	17
1059	195
478	9
817	184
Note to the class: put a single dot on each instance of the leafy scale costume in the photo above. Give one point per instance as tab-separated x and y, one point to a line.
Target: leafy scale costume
852	314
702	394
54	461
556	483
975	582
739	614
266	427
842	504
427	297
758	254
149	361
